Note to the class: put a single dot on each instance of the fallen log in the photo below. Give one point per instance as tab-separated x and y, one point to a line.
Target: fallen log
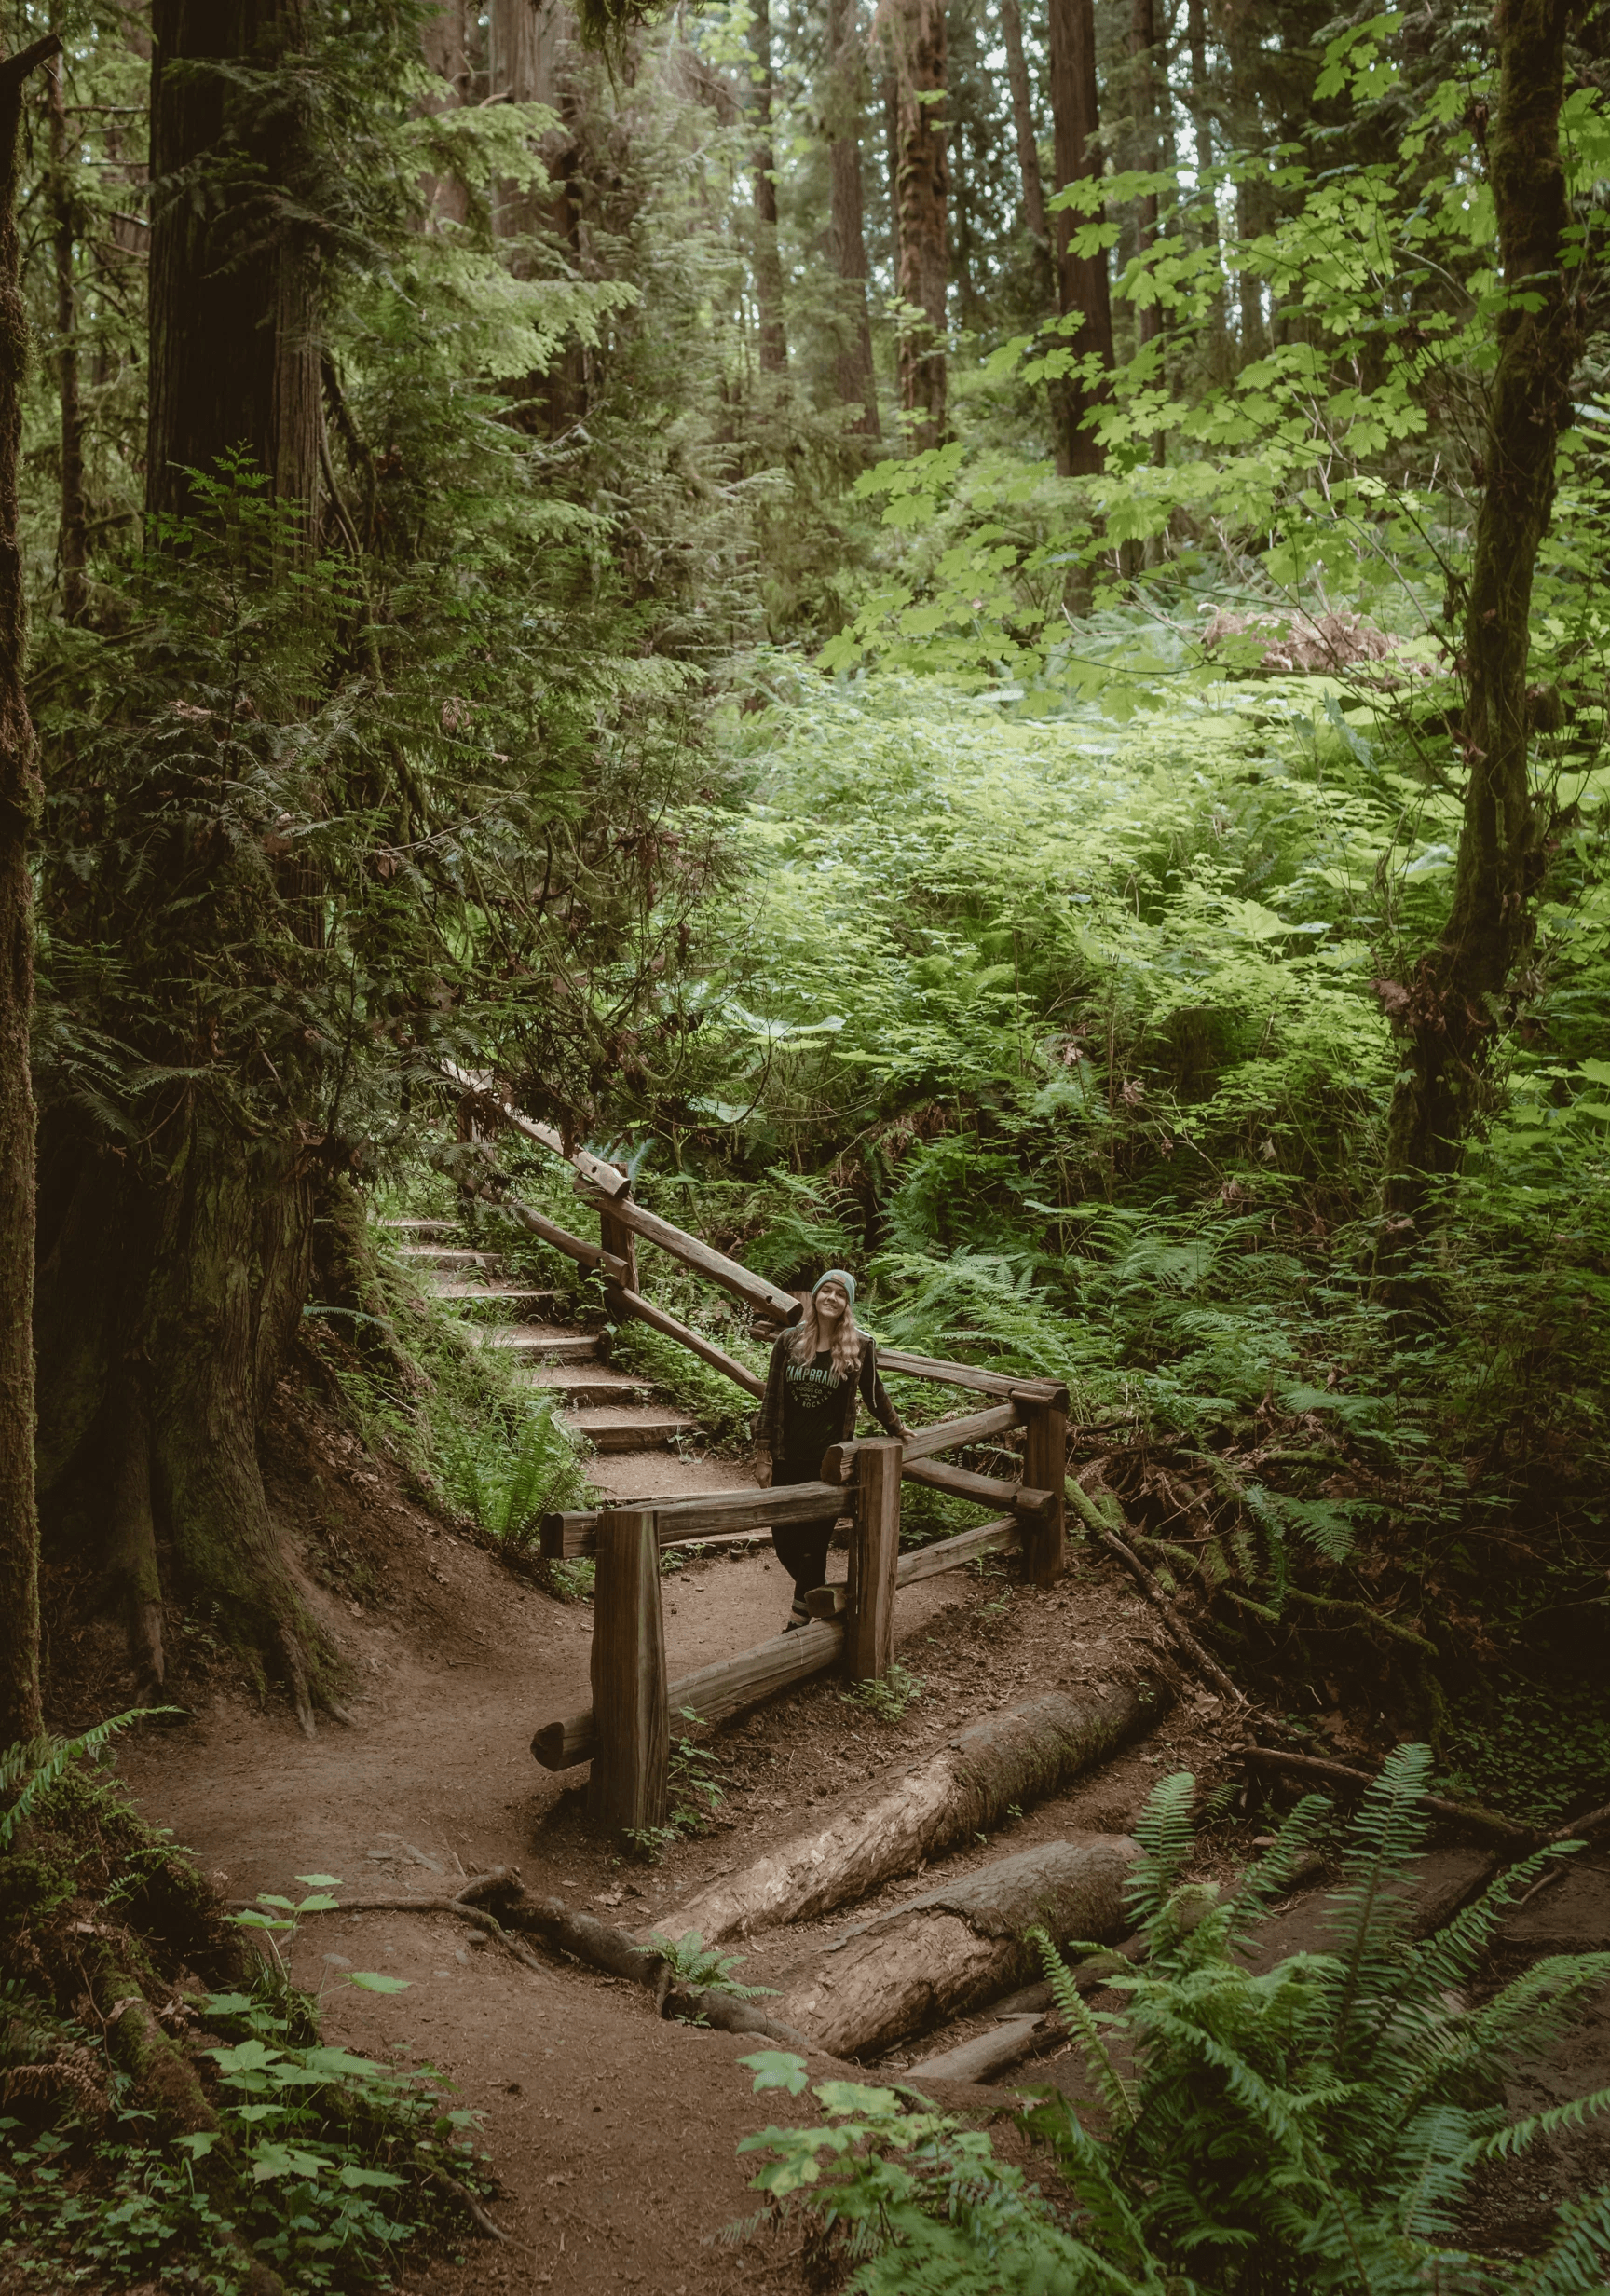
601	1946
1030	2023
1355	1780
1006	1759
1177	1632
934	1958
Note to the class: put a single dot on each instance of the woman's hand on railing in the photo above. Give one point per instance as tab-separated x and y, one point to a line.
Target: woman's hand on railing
763	1468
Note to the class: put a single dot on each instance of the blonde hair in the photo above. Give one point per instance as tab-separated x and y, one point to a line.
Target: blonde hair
844	1347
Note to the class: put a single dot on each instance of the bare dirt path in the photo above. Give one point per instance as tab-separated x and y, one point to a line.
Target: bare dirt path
614	2133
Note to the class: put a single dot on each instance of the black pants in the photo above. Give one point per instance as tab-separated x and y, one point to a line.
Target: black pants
802	1546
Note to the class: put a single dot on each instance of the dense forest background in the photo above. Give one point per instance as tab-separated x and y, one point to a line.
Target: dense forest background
876	611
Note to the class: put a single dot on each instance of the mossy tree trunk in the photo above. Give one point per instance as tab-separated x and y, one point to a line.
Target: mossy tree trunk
167	1309
19	794
1453	1007
174	1261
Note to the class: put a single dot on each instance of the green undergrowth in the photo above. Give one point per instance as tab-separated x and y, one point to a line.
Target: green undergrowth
456	1416
1315	2130
168	2113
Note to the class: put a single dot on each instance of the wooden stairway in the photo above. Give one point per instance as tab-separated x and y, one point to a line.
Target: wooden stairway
614	1411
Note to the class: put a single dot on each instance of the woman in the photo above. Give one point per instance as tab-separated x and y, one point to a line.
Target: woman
819	1370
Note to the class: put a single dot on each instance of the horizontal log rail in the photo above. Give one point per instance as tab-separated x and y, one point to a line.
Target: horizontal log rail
494	1098
1000	1536
574	1247
766	1299
695	1342
747	1509
713	1692
979	1490
839	1464
714	1513
968	1376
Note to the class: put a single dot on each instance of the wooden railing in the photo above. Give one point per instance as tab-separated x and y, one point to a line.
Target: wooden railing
625	1733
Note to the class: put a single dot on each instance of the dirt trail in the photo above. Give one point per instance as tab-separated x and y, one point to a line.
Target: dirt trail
614	2133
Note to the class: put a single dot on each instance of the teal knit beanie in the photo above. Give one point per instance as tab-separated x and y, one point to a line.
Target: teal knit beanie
835	1275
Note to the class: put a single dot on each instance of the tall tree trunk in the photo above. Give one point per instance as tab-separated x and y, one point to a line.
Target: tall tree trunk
891	165
1449	1013
443	40
20	799
234	312
1081	283
846	100
72	545
1253	201
1142	42
528	49
768	255
172	1279
924	199
1199	105
1027	133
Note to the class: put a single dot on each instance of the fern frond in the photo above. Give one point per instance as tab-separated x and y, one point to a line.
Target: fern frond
39	1766
1520	2136
1114	2090
1576	2262
1271	1877
1386	1832
1168	1839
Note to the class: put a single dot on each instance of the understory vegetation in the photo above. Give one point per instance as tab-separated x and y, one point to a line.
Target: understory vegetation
1322	2124
167	2107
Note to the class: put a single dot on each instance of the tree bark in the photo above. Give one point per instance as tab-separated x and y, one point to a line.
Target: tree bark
1199	105
1023	123
846	100
527	51
768	256
1142	43
941	1955
234	274
923	190
72	547
443	40
20	795
1006	1760
1082	288
1450	1012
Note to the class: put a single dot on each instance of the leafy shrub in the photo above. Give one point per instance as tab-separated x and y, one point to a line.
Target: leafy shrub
1315	2128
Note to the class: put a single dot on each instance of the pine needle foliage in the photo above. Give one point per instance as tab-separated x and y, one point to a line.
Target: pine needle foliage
1307	2129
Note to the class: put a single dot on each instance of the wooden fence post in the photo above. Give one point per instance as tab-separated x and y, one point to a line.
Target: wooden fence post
874	1556
631	1708
616	1237
1045	1469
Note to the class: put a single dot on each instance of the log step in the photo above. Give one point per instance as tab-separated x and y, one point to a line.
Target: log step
466	1293
528	1342
420	1227
578	1389
449	1259
641	1427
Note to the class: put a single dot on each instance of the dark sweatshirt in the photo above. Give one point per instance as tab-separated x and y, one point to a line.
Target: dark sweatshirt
808	1407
